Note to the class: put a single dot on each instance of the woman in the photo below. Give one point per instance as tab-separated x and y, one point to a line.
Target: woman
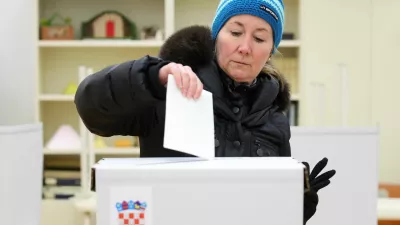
231	61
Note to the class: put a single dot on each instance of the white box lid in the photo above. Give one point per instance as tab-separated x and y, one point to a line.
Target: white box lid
224	163
252	169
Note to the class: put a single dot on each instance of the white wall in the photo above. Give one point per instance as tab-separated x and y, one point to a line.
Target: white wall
385	85
18	55
365	37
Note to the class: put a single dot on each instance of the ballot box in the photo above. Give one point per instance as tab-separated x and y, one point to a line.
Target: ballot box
194	191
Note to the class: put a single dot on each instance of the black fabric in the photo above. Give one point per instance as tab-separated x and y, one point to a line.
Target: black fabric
159	91
310	205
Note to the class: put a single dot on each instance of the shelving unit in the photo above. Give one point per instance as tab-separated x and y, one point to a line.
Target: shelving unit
126	44
65	62
100	44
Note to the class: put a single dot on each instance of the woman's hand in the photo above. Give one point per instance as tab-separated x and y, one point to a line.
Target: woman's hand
315	183
185	79
318	181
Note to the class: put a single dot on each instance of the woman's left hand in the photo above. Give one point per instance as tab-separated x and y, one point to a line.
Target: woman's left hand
316	183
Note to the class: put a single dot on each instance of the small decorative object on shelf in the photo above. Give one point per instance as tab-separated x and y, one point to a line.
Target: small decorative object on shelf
99	142
123	143
151	33
109	25
51	30
71	89
64	138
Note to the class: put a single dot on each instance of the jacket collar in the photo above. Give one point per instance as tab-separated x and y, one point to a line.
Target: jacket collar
262	92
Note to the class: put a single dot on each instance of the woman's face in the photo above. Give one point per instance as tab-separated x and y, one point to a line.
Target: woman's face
244	45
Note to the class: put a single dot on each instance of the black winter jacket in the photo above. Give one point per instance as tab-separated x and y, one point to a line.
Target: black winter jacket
127	99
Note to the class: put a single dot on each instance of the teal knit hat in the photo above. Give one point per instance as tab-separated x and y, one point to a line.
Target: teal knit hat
271	11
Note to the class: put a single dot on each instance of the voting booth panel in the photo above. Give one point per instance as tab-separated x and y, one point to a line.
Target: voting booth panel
351	198
21	174
181	191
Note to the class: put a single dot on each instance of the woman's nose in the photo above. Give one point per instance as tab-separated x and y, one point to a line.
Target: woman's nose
244	48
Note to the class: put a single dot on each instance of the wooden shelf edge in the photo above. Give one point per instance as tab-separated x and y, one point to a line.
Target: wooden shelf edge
289	44
117	151
63	151
99	43
56	97
126	43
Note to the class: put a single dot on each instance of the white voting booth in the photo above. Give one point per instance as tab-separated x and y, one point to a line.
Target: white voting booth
351	198
181	191
21	167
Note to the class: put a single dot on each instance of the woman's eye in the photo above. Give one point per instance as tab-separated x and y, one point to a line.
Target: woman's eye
259	40
236	34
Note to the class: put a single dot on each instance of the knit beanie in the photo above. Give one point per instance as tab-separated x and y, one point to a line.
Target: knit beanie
271	11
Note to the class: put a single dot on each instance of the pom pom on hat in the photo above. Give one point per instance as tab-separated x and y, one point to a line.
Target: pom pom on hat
272	11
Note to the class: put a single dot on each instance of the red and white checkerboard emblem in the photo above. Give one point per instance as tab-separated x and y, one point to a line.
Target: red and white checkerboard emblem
131	217
131	213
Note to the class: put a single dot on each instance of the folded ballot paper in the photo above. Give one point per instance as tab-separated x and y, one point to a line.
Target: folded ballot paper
189	123
202	190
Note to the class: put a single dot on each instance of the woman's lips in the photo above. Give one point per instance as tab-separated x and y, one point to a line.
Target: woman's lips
242	63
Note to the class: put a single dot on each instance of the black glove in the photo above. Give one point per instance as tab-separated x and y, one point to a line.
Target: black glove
310	205
314	183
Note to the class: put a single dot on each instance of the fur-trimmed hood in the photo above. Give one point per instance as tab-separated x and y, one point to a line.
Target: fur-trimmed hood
193	46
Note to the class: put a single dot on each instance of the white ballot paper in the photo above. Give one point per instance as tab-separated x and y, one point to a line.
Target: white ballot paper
189	123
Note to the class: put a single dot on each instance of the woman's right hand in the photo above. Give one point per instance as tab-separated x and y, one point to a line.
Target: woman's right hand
185	78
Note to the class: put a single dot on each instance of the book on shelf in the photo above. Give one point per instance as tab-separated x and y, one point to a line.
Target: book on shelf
61	177
60	192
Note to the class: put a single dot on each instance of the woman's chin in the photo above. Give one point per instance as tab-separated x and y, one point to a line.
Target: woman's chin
240	76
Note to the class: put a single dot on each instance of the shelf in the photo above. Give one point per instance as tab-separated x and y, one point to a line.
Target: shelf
117	151
126	44
63	152
56	97
295	97
101	43
289	44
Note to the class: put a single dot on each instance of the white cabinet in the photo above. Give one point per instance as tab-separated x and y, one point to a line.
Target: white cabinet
335	62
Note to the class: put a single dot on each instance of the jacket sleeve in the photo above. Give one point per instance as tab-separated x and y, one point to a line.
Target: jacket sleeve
285	149
121	99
